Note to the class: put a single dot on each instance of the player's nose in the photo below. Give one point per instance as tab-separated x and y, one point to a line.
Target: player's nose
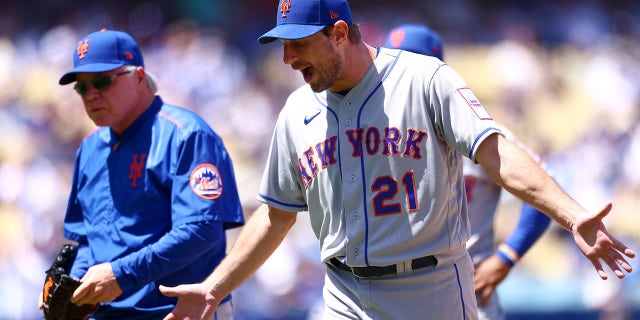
288	55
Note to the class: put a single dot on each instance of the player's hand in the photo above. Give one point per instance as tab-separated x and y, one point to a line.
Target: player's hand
99	284
194	302
488	274
40	302
595	242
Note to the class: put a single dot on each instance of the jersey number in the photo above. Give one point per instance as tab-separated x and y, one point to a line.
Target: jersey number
386	190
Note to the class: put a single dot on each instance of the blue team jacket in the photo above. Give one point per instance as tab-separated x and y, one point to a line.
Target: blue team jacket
155	204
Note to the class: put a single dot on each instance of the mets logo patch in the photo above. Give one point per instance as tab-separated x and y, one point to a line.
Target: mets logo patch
474	103
206	181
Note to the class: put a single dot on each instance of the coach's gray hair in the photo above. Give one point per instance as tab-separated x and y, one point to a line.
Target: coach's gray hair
151	82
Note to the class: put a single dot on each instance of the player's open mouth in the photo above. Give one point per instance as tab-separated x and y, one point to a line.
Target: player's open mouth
307	73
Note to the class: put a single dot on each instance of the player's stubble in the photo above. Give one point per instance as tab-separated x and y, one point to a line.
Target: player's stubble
328	69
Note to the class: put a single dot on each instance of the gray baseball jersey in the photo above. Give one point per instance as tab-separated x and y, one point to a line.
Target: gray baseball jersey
379	168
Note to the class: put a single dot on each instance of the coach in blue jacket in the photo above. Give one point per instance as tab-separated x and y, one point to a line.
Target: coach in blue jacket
153	187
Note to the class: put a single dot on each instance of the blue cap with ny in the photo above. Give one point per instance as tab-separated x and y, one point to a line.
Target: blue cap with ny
297	19
102	51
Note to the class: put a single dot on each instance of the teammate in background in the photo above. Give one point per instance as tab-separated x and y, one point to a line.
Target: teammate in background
491	265
372	148
153	188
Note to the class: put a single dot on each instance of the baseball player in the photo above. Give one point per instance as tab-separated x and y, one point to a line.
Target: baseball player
371	146
153	188
491	265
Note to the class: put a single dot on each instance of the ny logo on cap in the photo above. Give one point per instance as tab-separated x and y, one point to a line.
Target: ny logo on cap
83	48
285	6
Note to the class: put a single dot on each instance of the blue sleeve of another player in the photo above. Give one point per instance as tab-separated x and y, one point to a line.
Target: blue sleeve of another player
531	226
181	246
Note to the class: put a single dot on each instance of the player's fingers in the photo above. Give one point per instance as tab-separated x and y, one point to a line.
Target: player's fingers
619	260
604	211
478	289
168	291
616	262
628	252
170	316
478	285
621	247
486	294
598	266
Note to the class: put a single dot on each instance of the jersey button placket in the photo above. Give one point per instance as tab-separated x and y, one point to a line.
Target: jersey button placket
346	105
354	229
354	232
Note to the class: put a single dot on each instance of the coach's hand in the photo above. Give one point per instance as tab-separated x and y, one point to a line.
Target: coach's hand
597	244
99	284
194	302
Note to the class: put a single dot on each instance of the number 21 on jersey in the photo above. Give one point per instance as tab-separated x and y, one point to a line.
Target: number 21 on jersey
386	189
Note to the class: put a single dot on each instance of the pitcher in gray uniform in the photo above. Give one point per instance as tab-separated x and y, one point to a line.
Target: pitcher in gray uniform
372	148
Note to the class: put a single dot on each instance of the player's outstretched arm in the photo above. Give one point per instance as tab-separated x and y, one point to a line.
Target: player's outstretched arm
514	170
259	238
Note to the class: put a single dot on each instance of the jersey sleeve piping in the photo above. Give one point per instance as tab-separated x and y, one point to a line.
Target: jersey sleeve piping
266	199
487	132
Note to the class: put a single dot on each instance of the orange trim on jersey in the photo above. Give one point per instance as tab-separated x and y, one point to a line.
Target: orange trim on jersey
166	116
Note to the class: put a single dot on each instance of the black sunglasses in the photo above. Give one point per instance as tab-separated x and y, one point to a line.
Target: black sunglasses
101	82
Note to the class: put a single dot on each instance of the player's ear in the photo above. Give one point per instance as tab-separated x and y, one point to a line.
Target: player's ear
341	31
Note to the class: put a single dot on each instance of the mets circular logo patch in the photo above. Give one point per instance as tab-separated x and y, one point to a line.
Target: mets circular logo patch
206	181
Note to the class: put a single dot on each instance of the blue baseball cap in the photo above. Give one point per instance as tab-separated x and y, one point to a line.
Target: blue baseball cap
102	51
415	38
297	19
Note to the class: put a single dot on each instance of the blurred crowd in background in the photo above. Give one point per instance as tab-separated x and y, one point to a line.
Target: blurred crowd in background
563	75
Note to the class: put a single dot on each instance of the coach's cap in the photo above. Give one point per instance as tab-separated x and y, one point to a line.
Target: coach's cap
102	51
297	19
415	38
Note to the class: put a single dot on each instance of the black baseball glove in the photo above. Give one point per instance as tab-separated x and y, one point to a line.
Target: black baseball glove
58	289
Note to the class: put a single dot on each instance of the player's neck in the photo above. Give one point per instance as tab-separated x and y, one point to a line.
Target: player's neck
358	60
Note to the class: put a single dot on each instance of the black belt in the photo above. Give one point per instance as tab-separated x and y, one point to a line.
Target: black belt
377	271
